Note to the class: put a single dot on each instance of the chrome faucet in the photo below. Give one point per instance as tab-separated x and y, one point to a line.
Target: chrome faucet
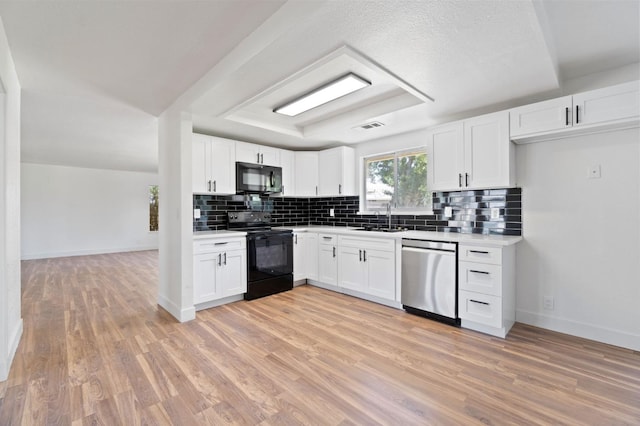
389	215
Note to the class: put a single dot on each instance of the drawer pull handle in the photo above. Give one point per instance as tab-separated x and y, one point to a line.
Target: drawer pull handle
478	251
327	238
479	272
221	244
479	302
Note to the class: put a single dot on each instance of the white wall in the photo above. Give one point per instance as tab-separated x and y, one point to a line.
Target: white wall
68	211
10	312
581	236
175	290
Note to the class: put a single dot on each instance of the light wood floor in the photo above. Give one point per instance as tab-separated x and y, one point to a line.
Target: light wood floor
97	350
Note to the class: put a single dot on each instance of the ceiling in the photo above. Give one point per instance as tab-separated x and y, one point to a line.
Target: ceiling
95	75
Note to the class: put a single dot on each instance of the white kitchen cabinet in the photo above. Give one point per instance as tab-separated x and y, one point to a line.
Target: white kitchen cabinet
367	265
219	269
489	155
305	256
610	107
486	295
472	154
446	161
213	165
257	154
336	171
306	173
328	259
311	255
287	162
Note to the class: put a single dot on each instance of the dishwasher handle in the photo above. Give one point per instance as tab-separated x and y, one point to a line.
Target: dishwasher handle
432	251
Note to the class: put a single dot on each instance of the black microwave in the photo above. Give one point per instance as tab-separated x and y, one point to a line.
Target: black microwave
258	178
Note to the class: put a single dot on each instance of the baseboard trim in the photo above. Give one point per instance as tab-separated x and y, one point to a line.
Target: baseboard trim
88	252
14	341
580	329
182	315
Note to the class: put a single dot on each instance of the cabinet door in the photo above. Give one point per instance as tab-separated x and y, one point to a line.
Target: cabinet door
232	275
446	162
269	156
351	269
381	274
306	175
247	152
488	152
541	117
200	162
330	172
328	264
205	287
609	104
223	166
311	255
299	269
287	162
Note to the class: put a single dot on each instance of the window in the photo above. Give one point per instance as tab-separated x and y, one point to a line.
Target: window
399	179
153	208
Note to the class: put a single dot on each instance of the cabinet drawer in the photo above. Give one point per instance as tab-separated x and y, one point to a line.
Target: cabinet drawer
481	308
385	244
327	238
214	245
491	255
480	277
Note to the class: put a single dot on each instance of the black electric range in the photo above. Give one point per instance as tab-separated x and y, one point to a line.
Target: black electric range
269	253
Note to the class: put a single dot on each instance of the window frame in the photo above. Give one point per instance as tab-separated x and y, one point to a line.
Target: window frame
365	209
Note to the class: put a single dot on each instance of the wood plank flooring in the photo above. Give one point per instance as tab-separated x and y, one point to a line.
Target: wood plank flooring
96	349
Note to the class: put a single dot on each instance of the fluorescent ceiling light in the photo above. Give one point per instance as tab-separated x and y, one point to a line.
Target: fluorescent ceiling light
334	90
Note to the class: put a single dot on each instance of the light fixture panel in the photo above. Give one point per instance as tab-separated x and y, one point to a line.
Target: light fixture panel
322	95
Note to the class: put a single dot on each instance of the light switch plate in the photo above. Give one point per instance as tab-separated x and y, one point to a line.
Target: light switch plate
196	213
448	212
332	212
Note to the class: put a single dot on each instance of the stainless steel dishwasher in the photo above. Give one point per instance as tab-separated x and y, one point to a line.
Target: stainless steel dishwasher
430	279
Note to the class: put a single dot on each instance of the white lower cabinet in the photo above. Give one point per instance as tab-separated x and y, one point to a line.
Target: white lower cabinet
328	259
305	256
486	295
219	269
367	265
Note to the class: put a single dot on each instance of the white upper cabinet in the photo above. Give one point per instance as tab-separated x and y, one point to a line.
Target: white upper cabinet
554	114
257	154
612	103
611	107
447	146
306	173
213	165
489	156
287	162
472	154
337	172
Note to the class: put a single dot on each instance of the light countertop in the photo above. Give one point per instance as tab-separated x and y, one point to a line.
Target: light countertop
217	234
474	239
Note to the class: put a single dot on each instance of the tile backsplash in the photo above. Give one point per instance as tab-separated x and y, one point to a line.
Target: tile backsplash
471	212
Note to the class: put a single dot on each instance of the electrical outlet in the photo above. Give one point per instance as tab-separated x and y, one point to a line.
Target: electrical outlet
594	171
332	212
548	303
196	213
448	212
495	213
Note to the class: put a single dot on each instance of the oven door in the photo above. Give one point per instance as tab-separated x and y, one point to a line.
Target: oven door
269	255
